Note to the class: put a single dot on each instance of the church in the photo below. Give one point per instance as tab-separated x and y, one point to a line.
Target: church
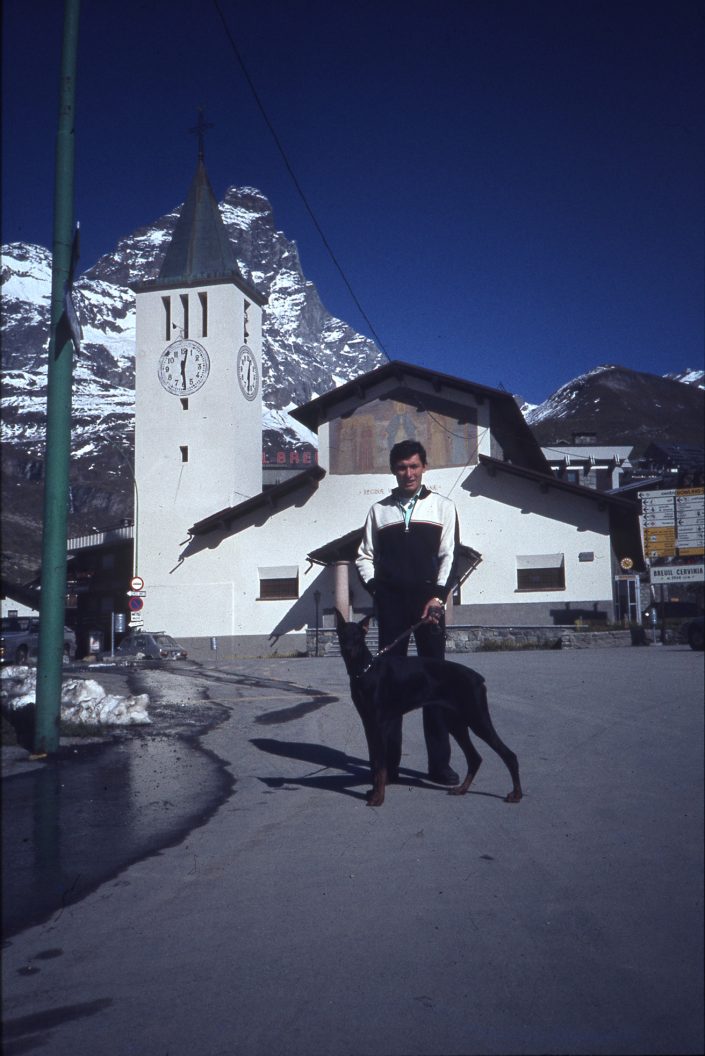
227	564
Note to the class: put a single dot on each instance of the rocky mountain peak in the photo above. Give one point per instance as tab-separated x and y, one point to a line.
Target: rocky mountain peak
621	406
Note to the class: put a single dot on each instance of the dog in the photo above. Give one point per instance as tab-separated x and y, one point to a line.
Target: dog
386	687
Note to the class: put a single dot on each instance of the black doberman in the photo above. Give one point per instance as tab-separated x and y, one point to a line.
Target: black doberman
390	686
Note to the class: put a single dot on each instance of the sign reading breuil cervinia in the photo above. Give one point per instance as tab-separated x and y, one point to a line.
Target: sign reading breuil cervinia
674	534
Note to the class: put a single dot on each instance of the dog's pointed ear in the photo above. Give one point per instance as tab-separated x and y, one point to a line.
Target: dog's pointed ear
339	621
364	624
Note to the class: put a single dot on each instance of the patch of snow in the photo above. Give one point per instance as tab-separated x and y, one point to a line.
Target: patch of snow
83	701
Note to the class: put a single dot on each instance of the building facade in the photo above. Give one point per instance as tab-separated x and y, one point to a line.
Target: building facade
223	559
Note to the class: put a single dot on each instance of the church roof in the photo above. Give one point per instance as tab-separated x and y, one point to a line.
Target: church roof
432	391
200	249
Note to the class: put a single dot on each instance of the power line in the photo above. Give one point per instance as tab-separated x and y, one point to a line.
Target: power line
294	179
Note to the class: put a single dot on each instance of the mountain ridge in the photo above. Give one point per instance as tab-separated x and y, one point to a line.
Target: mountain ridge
306	352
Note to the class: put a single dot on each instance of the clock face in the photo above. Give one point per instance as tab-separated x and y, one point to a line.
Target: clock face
247	373
183	367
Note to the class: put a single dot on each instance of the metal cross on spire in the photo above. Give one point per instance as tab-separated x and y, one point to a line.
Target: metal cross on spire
200	129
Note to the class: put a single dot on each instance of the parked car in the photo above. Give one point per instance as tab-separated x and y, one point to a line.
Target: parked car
19	640
693	632
150	644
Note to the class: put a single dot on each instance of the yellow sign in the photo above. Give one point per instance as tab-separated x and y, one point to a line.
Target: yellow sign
660	542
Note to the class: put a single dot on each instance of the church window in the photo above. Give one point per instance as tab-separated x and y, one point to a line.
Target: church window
540	572
203	298
184	306
278	583
166	303
184	402
184	452
245	331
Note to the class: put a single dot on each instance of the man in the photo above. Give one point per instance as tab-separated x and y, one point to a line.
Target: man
405	561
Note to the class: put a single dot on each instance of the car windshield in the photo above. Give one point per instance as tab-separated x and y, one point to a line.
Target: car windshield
165	641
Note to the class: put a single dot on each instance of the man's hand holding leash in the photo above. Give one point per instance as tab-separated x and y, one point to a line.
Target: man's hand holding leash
433	611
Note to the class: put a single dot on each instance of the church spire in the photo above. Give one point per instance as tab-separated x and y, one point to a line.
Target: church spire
200	247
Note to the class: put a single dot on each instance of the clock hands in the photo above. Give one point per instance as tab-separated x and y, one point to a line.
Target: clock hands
183	367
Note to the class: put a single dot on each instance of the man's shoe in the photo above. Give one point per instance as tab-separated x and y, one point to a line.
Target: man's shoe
447	776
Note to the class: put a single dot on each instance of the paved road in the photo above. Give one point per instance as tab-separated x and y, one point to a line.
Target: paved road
288	918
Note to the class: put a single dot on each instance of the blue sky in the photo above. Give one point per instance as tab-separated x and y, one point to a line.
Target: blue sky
514	190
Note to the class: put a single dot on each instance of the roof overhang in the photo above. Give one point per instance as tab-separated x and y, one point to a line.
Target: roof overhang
432	391
269	499
153	285
383	382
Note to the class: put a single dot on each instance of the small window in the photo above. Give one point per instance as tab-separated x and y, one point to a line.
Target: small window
184	402
540	572
245	331
278	583
166	302
203	298
184	306
184	453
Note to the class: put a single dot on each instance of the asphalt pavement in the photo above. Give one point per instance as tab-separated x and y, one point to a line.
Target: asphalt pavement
216	886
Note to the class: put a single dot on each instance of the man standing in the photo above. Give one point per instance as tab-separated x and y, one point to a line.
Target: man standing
405	561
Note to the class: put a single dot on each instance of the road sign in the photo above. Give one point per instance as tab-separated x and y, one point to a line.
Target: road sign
135	604
677	573
136	583
137	593
674	523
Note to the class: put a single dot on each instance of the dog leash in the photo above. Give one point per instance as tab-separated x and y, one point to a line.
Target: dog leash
399	638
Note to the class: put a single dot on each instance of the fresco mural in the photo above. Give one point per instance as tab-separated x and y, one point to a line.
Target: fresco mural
361	442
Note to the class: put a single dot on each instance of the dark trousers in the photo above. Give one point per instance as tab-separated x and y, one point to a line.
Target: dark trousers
398	608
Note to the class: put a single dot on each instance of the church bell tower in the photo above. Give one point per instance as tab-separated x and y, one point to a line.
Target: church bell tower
198	399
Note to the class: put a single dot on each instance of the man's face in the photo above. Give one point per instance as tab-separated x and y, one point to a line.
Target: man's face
409	474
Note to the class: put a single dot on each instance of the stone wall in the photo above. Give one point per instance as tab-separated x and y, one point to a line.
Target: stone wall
474	639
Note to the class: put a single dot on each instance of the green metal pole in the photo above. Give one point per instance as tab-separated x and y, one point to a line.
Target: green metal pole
58	435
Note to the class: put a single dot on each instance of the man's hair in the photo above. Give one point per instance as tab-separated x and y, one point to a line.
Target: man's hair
406	449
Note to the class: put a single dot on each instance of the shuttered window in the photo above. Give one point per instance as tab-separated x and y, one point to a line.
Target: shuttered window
540	572
278	583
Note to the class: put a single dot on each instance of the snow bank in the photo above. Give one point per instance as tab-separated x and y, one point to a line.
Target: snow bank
82	700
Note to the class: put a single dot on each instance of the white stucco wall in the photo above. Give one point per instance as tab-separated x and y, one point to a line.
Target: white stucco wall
220	428
209	586
500	516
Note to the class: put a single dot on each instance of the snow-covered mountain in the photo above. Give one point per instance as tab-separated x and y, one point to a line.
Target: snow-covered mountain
306	351
624	406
